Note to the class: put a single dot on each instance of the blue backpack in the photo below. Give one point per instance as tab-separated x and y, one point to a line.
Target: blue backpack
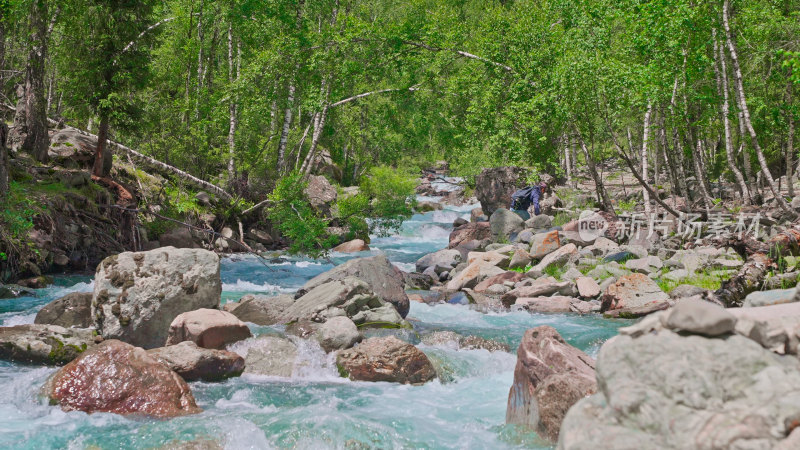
521	199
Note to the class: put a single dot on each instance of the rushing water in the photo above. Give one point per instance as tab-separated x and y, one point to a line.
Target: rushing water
314	408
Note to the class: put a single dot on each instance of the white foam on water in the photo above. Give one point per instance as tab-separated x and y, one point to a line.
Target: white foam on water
444	216
405	267
312	363
18	319
304	264
248	286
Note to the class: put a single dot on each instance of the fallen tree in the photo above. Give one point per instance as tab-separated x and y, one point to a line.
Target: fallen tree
151	162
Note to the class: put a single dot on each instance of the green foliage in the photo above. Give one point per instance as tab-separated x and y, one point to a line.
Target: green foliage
391	198
17	210
294	217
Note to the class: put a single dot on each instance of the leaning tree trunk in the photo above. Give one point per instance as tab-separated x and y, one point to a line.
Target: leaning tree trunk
598	182
3	160
645	138
37	140
99	168
790	142
737	71
721	70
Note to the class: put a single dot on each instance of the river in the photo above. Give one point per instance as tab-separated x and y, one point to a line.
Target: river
314	409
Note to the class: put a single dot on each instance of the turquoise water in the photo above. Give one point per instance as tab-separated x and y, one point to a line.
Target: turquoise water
314	409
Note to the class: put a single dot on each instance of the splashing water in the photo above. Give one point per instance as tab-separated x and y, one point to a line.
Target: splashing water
314	408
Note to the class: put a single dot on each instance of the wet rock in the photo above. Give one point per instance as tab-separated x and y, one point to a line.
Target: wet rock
473	231
424	207
442	258
321	194
550	376
194	363
664	390
354	246
260	309
632	291
208	328
505	224
14	291
39	282
773	297
267	355
44	344
700	317
386	359
384	279
542	244
71	310
119	378
457	341
337	333
419	281
137	295
349	296
494	186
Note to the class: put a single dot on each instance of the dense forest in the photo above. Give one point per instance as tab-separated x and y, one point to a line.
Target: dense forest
233	96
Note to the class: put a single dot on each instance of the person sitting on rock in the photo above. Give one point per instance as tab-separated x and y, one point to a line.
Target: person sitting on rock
522	200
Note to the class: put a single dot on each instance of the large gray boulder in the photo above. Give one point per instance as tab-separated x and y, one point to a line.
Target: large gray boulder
208	328
442	258
196	363
665	390
350	297
321	194
268	355
505	223
632	291
494	186
260	309
384	279
44	344
137	295
549	378
337	333
71	310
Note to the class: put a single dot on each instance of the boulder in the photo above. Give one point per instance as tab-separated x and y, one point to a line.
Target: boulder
424	207
666	390
268	355
137	295
194	363
773	297
520	259
321	194
459	221
14	291
493	258
208	328
38	282
354	246
442	258
700	317
71	310
541	287
776	327
337	333
631	291
119	378
587	287
685	290
547	305
179	237
646	265
419	281
505	277
473	274
557	258
69	148
473	231
260	236
350	297
505	224
550	376
384	279
540	222
260	309
43	344
542	244
454	340
494	186
476	215
386	359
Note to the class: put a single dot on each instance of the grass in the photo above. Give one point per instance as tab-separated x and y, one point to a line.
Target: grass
702	280
561	218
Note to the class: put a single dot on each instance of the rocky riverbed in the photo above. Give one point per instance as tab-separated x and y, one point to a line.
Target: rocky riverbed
464	330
